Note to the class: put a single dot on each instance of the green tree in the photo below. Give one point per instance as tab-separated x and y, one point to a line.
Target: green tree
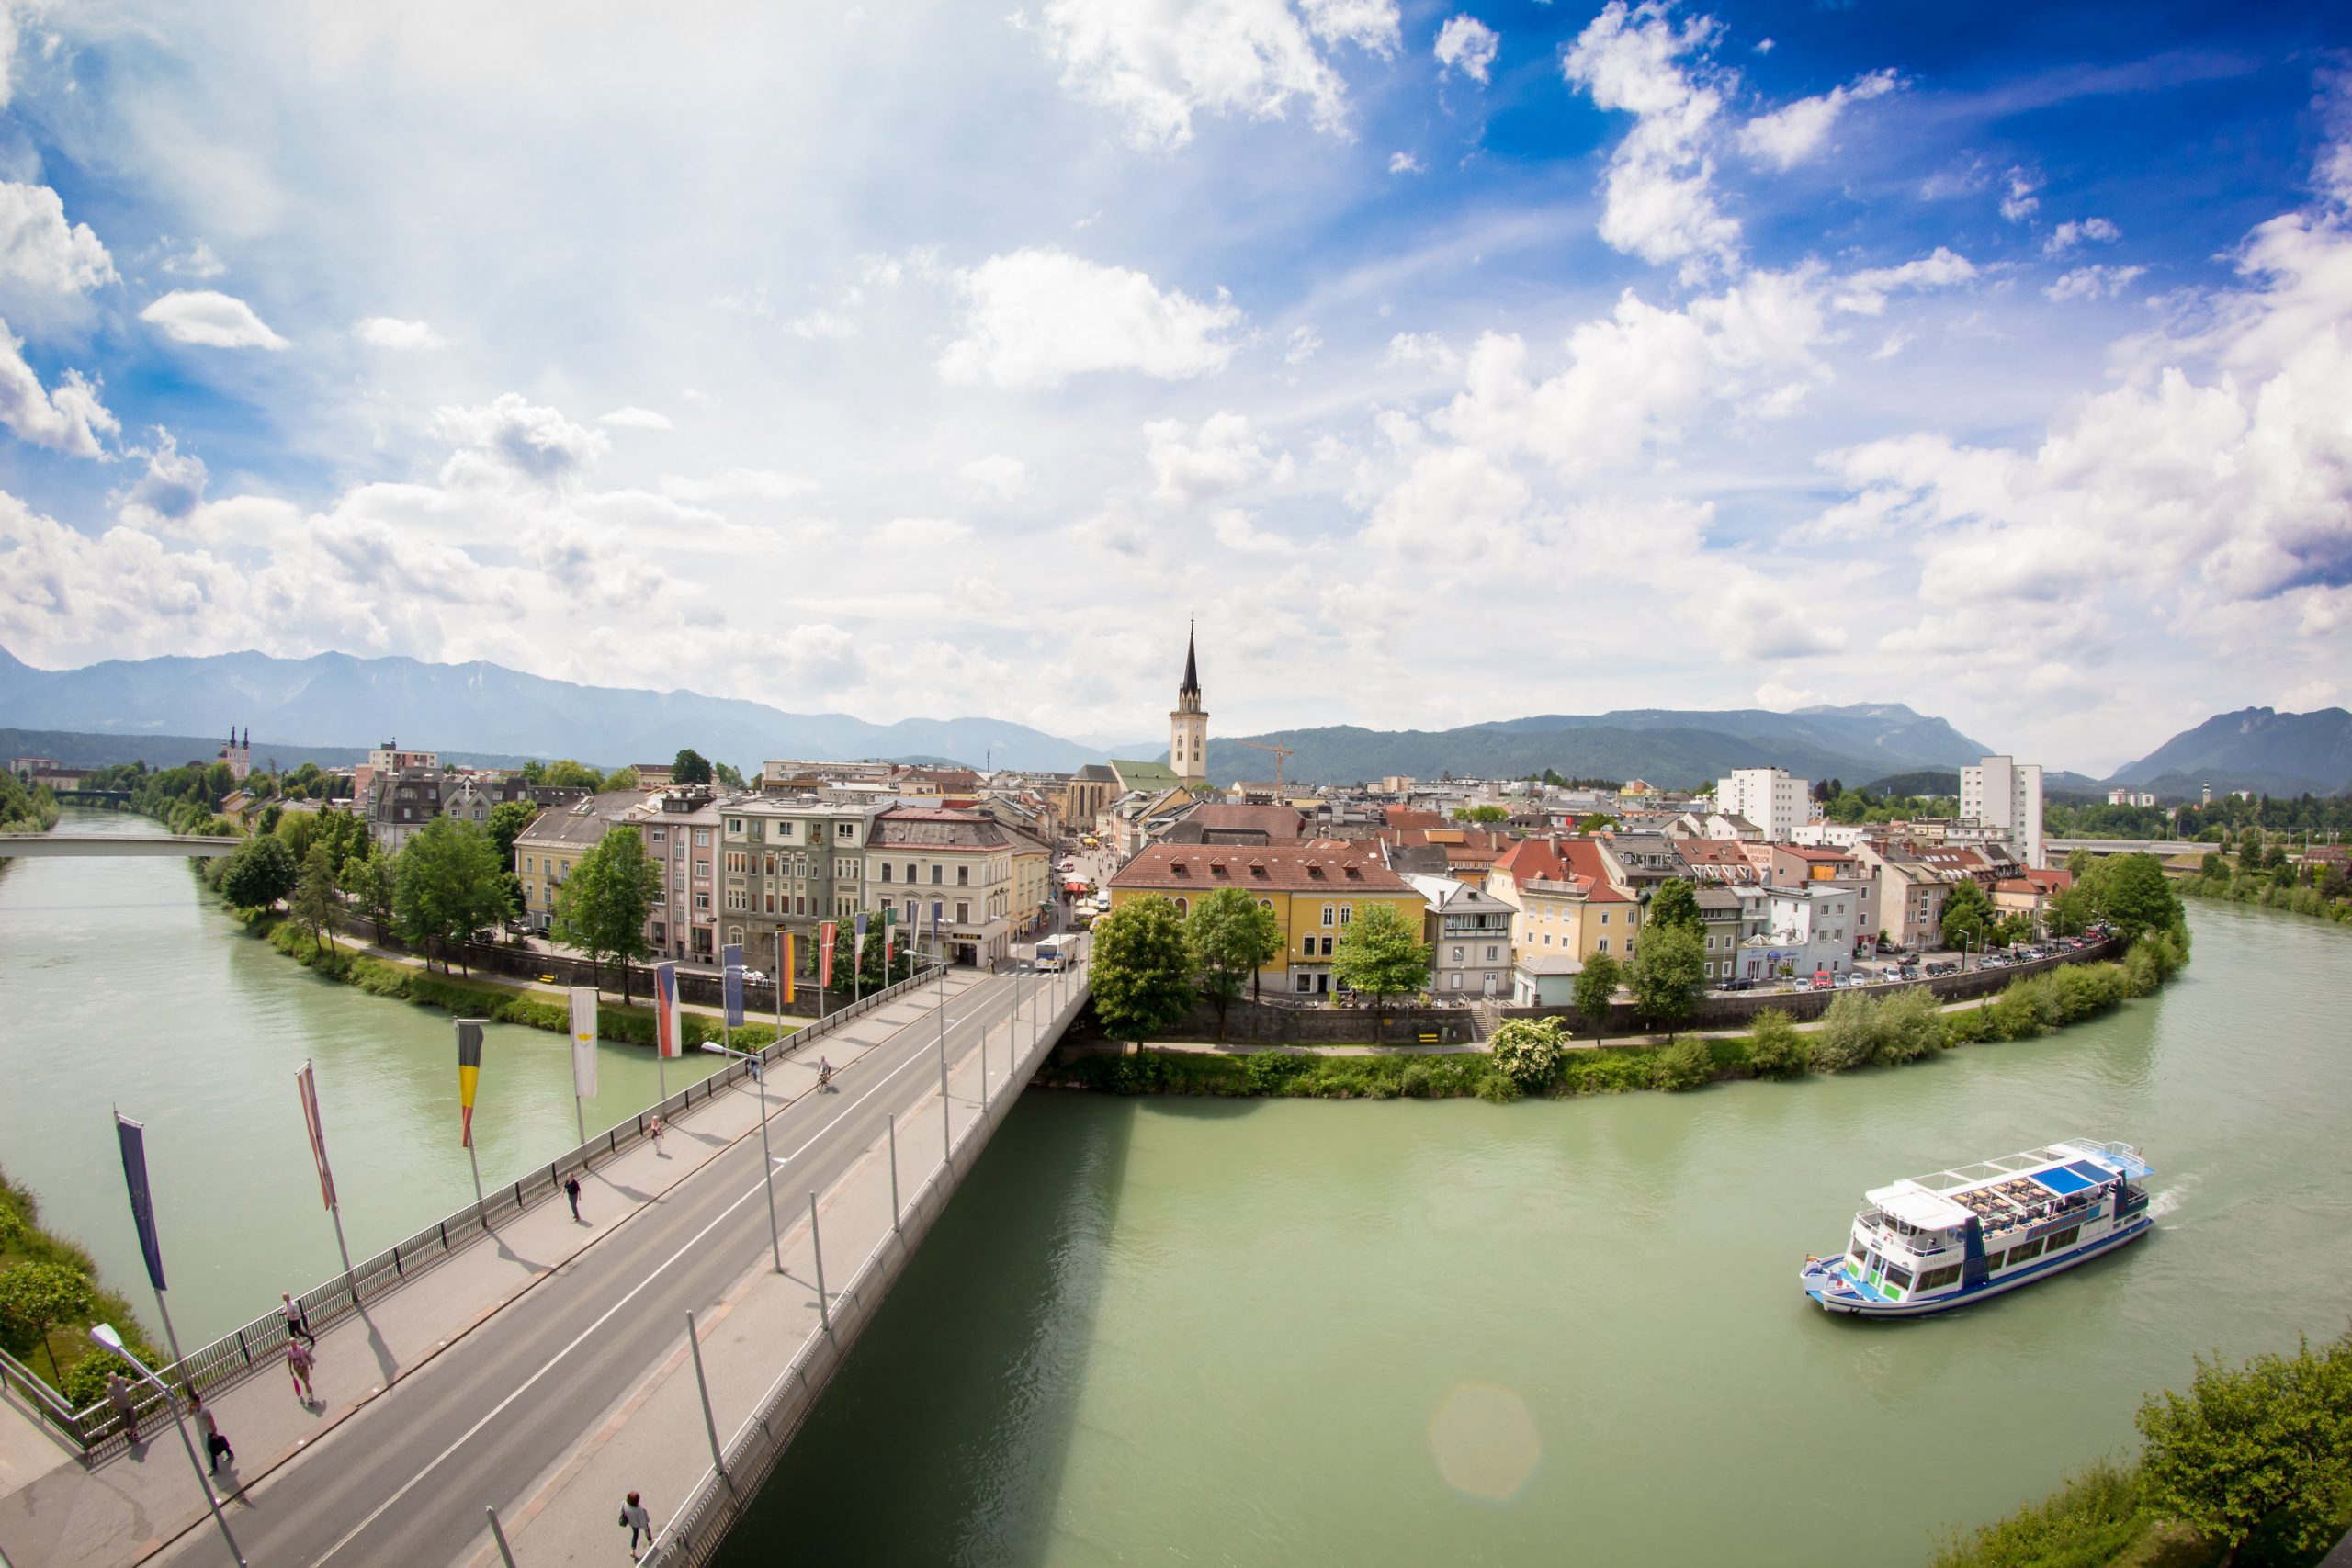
565	773
624	778
507	820
1676	903
447	884
1528	1050
691	767
603	906
2271	1440
1229	937
313	904
370	881
2131	893
1968	916
1775	1048
1669	977
1596	991
36	1298
2070	911
728	776
535	772
1481	815
261	872
1142	973
1381	954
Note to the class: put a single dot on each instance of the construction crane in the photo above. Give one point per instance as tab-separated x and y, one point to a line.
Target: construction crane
1279	752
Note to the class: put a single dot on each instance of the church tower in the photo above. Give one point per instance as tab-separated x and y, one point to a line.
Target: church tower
1188	726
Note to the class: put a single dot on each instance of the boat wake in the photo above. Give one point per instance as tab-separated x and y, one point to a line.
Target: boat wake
2164	1205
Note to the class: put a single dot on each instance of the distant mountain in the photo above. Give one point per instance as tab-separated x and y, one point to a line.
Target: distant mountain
338	700
2253	749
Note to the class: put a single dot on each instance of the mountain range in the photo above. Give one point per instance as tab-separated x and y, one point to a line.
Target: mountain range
2253	749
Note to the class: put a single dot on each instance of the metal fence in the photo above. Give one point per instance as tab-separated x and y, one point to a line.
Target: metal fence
98	1430
692	1537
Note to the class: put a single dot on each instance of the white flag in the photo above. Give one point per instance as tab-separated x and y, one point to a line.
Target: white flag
584	1042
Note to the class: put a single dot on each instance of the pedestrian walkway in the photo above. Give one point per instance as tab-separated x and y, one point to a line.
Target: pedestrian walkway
125	1508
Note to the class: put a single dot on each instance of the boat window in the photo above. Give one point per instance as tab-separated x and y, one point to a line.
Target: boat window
1898	1277
1936	1278
1993	1260
2056	1239
1861	1253
2026	1249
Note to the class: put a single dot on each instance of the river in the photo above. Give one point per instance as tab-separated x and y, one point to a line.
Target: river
1315	1332
124	983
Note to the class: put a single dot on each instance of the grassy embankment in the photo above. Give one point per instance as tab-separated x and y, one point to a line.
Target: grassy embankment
1861	1030
43	1273
2270	889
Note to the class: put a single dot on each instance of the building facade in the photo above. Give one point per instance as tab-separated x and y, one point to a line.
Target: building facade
1315	891
1777	804
1188	725
1565	900
949	870
1468	931
2003	794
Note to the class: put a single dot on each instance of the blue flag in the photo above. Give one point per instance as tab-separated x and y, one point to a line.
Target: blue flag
133	1137
732	956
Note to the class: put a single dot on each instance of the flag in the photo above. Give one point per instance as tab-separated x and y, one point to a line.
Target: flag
584	1042
858	954
668	1037
829	934
732	956
306	1084
469	1075
890	936
785	959
133	1138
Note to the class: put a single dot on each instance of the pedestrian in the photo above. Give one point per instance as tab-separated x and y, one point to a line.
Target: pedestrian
572	1193
297	1364
296	1324
118	1395
216	1447
634	1516
654	1131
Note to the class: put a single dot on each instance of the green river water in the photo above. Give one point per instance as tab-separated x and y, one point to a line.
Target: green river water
1304	1332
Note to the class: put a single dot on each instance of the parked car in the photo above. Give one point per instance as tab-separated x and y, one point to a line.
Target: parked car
1737	984
1822	980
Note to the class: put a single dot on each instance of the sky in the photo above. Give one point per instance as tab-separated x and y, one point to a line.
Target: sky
1447	363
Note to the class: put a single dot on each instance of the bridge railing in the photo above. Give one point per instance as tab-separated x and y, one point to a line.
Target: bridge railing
692	1537
99	1431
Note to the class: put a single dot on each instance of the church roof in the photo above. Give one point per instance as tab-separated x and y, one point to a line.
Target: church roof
1191	686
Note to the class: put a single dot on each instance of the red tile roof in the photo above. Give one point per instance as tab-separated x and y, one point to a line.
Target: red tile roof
1322	867
1563	860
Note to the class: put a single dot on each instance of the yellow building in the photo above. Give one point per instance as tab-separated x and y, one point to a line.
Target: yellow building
1567	905
546	851
1316	890
1033	871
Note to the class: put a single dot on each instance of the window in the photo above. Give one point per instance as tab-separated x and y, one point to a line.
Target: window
963	877
734	827
1307	982
2056	1239
1307	945
1330	915
938	874
1604	916
702	836
1604	944
1265	903
1493	953
845	832
964	912
1346	913
735	898
1936	1278
1327	947
1458	955
530	866
1456	978
2024	1250
701	900
886	871
1183	907
1898	1275
660	835
1993	1260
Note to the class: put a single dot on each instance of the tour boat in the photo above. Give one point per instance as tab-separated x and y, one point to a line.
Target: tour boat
1962	1236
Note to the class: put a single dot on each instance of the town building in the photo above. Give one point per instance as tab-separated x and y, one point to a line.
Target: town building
1468	932
1777	804
1807	928
385	760
2130	798
946	870
1565	900
1188	725
1316	890
1905	900
238	754
2005	794
787	864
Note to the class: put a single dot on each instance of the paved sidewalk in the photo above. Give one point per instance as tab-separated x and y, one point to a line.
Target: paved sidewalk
126	1508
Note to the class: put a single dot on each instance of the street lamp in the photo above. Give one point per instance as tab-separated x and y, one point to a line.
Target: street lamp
768	1159
103	1335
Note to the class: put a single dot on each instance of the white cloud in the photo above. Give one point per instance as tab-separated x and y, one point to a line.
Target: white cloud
211	319
511	436
995	477
1040	315
1158	63
1303	344
1466	44
1404	164
390	332
757	484
2093	282
1420	348
1788	136
69	420
822	323
1223	455
42	251
1659	198
1865	292
631	417
923	536
2067	236
173	486
2019	202
197	262
1236	530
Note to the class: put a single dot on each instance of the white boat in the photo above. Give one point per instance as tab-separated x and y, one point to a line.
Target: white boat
1959	1236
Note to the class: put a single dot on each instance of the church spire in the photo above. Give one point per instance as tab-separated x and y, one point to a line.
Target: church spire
1191	686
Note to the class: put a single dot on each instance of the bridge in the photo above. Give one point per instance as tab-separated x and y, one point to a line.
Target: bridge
2161	848
38	846
517	1360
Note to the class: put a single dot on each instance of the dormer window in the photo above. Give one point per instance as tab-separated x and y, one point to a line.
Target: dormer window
1178	868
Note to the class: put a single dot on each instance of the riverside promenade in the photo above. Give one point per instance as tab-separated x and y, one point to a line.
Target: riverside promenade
543	1369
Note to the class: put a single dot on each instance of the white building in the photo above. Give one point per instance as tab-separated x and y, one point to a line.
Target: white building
2128	798
1807	926
1769	799
2005	794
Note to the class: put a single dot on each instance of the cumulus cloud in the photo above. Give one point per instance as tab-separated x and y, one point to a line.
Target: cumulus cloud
197	262
511	436
41	251
1467	45
1041	315
1303	341
755	484
1223	453
1158	63
1659	201
211	319
70	419
995	477
1788	136
2018	199
1404	164
631	417
2093	283
173	486
1865	292
2067	235
821	323
390	332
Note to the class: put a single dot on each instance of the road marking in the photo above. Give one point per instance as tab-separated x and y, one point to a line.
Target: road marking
582	1337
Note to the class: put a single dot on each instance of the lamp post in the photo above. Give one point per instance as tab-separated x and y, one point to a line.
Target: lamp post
767	1157
104	1337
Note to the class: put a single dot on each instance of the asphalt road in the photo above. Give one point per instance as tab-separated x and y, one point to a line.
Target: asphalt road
405	1480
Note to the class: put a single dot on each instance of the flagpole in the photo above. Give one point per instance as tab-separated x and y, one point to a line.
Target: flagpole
307	1080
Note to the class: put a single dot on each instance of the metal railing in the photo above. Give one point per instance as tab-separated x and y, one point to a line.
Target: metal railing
98	1430
33	1389
720	1498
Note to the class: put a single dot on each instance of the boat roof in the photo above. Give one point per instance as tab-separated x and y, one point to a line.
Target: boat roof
1945	1198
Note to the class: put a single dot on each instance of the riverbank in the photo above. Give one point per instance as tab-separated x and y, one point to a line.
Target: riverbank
43	1273
2259	889
1861	1030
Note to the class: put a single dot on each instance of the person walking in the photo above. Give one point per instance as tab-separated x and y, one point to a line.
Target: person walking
299	1363
572	1194
634	1516
296	1324
118	1395
654	1131
216	1447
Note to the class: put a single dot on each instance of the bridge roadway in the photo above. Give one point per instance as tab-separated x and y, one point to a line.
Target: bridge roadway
404	1480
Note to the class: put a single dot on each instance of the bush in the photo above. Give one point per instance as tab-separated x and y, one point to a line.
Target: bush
1606	1072
2026	1009
1910	1024
85	1380
1850	1033
1686	1063
1274	1072
1971	1027
1527	1051
1498	1089
2086	1524
1776	1050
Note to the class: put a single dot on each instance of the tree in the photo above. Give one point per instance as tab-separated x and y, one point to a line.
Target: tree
535	772
728	775
1141	975
1381	952
1968	916
1481	814
626	778
602	906
447	884
1528	1050
1775	1049
2070	911
261	872
507	820
369	879
565	773
2270	1439
1669	977
2130	892
313	903
691	768
1675	903
1230	937
1596	991
36	1298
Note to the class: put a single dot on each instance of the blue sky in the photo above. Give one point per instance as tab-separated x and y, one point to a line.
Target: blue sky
1450	363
